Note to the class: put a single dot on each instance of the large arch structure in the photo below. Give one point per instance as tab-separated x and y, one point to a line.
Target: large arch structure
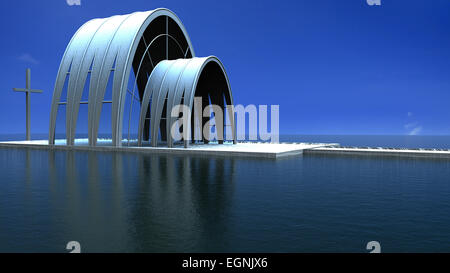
114	46
177	82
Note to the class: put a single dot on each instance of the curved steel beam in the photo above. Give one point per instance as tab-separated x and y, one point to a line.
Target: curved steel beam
76	43
152	86
177	80
104	44
79	69
174	98
189	100
159	98
125	59
139	70
100	74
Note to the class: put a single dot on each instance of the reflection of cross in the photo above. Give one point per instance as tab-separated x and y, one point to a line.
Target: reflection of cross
27	91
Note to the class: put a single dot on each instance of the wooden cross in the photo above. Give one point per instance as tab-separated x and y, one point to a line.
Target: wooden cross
27	91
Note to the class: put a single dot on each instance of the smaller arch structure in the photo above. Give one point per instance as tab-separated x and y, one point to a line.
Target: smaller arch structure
177	82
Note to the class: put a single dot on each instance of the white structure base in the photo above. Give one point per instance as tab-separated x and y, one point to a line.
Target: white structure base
247	149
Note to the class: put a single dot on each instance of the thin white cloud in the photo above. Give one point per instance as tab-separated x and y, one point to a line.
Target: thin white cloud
27	58
415	131
73	2
414	128
410	125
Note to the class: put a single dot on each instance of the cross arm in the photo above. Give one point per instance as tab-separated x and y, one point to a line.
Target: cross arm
27	90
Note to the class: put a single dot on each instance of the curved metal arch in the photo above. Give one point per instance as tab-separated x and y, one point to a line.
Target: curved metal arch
180	78
153	84
228	94
173	99
125	58
70	54
120	49
163	86
139	70
167	85
101	70
187	87
85	66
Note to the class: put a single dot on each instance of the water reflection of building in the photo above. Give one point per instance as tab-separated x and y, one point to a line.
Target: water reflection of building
137	202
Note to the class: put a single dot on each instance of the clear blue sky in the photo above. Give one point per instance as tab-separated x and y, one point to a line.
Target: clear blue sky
334	67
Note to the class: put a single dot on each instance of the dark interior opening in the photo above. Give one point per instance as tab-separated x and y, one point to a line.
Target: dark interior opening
164	40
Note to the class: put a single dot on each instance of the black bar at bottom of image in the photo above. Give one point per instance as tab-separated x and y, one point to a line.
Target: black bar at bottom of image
223	262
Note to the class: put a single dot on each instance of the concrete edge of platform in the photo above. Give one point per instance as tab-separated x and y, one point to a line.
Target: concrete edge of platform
157	150
381	152
227	153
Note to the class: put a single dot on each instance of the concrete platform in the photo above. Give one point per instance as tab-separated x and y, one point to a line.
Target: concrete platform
244	149
424	153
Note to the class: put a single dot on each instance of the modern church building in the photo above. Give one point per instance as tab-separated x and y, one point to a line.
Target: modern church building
146	61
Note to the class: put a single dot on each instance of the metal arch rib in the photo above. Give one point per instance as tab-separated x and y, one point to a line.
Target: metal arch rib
79	55
175	78
228	97
152	85
91	56
123	40
139	70
125	58
170	84
174	98
100	74
66	63
186	88
159	98
190	98
179	76
80	66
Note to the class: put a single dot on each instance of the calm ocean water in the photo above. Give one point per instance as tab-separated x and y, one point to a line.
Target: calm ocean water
125	202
